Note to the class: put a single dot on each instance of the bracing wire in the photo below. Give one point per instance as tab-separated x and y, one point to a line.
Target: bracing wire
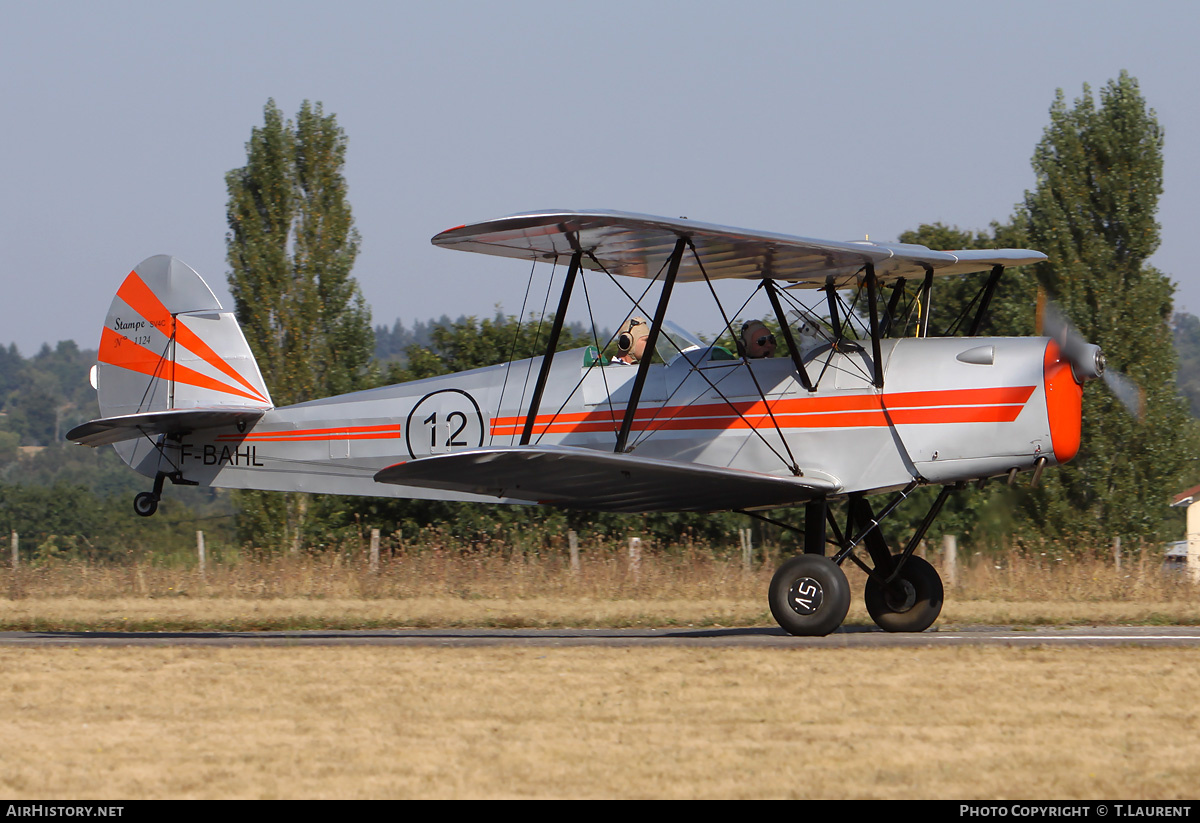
512	353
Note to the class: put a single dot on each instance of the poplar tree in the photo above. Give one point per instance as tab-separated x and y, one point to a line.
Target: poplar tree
1099	175
291	246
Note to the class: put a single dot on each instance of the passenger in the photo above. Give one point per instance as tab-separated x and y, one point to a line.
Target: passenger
631	341
757	340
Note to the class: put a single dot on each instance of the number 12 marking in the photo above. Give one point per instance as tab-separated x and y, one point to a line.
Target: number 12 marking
451	442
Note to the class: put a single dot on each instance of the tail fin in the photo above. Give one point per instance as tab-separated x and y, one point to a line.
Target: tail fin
168	345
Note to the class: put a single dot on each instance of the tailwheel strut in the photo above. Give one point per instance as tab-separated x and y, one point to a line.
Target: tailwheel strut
145	504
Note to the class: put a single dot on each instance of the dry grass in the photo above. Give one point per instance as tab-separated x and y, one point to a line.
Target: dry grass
403	722
439	587
964	723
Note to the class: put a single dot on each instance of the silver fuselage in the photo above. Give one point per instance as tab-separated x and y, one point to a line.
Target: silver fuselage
951	409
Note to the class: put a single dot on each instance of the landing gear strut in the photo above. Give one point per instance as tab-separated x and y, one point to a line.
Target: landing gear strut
809	595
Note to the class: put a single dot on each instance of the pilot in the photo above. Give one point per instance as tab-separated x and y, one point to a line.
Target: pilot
757	340
631	341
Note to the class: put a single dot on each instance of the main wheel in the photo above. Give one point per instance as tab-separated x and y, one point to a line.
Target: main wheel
911	603
809	596
145	504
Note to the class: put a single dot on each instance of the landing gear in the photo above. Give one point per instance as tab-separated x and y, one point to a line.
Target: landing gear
145	504
911	602
809	596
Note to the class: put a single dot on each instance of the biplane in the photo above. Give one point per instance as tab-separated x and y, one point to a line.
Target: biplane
865	402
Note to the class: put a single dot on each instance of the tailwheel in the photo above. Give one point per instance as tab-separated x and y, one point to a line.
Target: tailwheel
911	602
145	504
809	596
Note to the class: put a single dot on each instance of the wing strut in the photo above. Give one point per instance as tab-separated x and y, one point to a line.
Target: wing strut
873	309
793	349
926	292
551	347
644	364
834	322
889	313
988	290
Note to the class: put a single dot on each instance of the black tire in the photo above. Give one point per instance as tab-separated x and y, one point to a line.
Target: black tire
145	504
913	601
809	596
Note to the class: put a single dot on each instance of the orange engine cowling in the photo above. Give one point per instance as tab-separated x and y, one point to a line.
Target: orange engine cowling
1064	403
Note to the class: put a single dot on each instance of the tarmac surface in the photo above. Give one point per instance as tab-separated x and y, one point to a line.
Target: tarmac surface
846	637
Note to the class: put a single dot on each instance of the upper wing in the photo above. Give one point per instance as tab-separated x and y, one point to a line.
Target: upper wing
638	245
601	481
175	421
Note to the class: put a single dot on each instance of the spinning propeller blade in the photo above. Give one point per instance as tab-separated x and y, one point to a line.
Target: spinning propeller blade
1131	395
1086	359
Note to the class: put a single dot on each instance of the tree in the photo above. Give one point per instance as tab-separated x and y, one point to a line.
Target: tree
1099	177
469	343
1187	347
291	246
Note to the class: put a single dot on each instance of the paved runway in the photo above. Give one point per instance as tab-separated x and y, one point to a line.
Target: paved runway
852	637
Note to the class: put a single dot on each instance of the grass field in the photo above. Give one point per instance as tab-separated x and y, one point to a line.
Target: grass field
396	722
662	722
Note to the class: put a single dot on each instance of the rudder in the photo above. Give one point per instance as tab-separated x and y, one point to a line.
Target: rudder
168	344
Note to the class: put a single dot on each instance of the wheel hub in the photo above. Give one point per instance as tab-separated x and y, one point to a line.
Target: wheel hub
900	596
805	596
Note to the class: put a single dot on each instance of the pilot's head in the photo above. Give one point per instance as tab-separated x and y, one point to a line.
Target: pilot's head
758	340
631	340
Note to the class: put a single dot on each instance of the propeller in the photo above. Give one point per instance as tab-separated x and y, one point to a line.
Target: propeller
1086	359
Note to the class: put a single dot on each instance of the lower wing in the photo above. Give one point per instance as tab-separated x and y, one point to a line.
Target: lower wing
599	481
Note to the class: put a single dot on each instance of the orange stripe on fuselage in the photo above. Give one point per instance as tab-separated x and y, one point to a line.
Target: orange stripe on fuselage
802	405
384	432
997	405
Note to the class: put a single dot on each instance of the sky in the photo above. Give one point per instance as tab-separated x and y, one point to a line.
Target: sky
826	120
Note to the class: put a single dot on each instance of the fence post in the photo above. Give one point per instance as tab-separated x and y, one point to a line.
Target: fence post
573	545
635	557
1117	552
16	554
200	551
747	548
374	550
950	558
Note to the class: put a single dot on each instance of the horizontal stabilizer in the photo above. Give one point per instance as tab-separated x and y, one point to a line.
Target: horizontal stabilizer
600	481
177	421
